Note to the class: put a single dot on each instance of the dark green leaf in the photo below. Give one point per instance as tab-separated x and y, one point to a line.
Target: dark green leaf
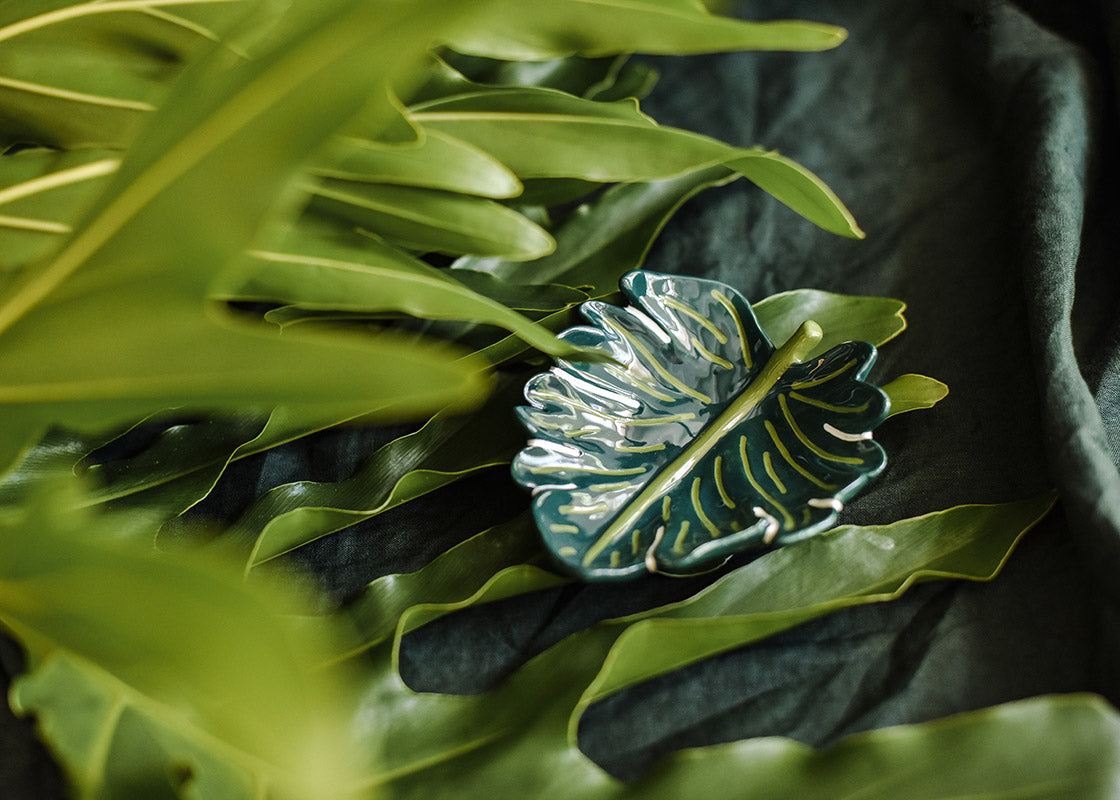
523	734
460	573
446	449
573	74
1058	747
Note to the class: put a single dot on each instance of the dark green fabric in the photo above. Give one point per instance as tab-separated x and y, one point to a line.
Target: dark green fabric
975	143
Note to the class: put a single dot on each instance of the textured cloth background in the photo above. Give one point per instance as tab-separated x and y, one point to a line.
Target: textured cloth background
976	144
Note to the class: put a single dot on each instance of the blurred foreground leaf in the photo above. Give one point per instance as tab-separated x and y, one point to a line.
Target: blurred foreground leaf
151	675
113	327
87	74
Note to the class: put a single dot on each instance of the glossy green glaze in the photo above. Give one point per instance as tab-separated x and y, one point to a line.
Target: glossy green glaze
700	440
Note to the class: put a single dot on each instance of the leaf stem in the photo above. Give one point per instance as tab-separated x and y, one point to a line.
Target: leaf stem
804	339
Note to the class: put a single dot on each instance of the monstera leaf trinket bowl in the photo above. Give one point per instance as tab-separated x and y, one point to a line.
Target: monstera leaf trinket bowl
696	438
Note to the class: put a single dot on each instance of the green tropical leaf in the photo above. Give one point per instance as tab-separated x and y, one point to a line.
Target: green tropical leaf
583	77
632	80
172	471
44	192
437	161
799	189
842	317
430	220
606	238
994	752
87	74
912	392
114	325
544	133
155	675
315	268
524	733
700	441
969	542
551	28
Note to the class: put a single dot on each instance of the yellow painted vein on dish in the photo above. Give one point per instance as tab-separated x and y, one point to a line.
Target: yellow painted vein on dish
717	470
678	543
790	460
563	528
700	319
826	378
658	367
805	440
769	465
698	507
581	432
616	558
568	551
635	541
549	470
546	424
828	406
573	509
564	400
666	504
631	380
758	488
640	448
638	423
609	487
719	361
724	301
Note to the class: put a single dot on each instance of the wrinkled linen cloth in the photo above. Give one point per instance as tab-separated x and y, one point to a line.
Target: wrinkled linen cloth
975	143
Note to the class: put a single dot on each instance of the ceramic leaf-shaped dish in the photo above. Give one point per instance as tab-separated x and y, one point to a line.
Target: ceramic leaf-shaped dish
698	438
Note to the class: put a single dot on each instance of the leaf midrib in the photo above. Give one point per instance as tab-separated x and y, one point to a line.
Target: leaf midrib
74	96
